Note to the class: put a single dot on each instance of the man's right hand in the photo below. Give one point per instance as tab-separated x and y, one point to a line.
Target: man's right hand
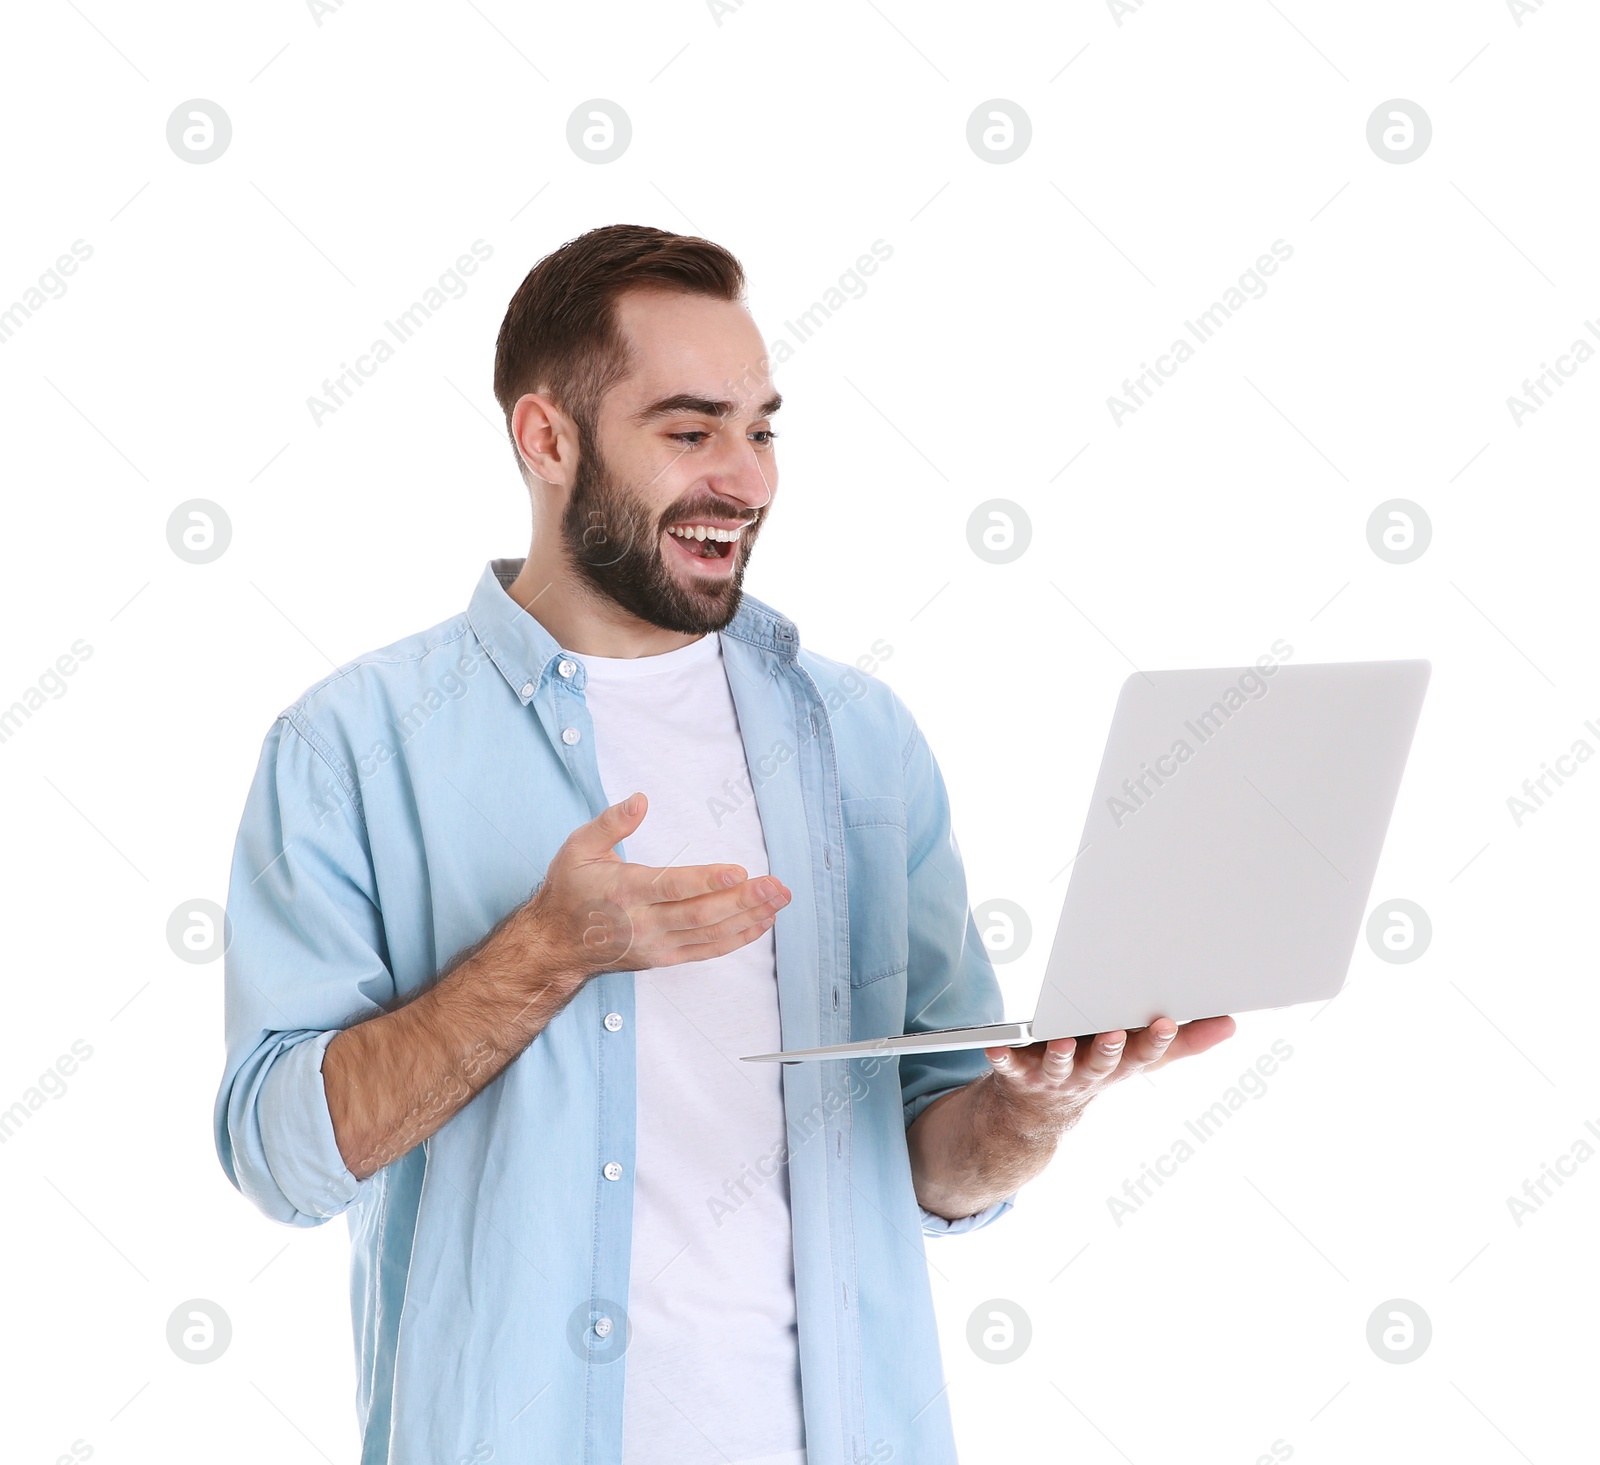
394	1079
595	912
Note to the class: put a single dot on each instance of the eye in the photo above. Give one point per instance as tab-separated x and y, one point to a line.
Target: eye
762	437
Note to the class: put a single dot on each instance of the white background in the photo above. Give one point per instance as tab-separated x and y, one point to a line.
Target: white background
1168	152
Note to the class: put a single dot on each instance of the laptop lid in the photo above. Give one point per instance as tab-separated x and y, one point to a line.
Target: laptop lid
1230	847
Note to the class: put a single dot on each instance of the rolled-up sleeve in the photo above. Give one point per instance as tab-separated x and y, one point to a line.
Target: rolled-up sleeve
950	981
305	958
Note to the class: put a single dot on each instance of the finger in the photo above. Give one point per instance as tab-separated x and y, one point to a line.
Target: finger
1203	1033
1057	1063
1150	1045
707	910
1030	1063
730	924
609	827
1100	1057
705	950
651	884
757	918
1007	1062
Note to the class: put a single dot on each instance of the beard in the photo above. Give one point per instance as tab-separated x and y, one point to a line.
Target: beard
617	548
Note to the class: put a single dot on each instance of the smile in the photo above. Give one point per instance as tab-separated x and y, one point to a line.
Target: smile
707	541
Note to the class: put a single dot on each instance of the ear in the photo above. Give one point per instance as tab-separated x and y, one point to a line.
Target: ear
546	438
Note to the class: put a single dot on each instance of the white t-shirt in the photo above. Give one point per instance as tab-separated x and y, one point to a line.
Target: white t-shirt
713	1367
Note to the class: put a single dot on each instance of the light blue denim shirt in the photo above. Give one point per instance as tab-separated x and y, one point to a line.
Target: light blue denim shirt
405	804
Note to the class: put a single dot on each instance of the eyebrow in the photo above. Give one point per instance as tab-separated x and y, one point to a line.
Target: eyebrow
687	402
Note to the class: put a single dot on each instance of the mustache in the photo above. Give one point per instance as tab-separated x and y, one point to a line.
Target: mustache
716	509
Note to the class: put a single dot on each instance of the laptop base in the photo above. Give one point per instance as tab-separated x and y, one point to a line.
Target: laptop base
941	1040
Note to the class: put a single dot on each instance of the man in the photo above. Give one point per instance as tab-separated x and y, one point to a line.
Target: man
582	1229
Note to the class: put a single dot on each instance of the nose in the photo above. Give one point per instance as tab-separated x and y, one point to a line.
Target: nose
742	475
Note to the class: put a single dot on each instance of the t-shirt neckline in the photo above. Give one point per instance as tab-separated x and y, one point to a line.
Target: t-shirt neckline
626	668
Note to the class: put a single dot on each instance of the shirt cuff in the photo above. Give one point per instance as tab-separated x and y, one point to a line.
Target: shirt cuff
297	1133
933	1225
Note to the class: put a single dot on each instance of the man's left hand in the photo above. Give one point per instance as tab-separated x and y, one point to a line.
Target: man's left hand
1050	1083
979	1143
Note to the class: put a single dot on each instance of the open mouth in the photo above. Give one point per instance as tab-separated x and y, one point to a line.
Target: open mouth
706	542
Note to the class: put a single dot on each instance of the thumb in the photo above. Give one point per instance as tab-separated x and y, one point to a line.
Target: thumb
609	826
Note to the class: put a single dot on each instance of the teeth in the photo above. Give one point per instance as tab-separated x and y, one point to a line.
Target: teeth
700	531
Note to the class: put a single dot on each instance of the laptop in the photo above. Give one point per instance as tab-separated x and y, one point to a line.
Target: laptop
1228	853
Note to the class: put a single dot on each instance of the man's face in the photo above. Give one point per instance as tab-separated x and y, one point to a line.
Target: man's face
666	505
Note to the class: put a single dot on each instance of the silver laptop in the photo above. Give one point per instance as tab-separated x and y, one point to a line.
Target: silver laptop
1228	854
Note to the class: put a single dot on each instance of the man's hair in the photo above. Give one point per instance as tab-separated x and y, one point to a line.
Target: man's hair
560	336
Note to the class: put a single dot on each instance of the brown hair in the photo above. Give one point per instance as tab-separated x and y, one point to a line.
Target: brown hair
560	335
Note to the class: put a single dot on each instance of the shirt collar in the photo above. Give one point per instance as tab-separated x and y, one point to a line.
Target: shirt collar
517	642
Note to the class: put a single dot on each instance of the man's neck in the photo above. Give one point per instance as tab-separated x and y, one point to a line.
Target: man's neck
581	619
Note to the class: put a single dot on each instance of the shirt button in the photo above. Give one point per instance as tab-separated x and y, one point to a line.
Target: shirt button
570	735
613	1171
602	1327
613	1021
527	689
565	667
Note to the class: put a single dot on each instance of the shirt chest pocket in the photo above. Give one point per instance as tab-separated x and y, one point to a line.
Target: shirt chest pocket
875	872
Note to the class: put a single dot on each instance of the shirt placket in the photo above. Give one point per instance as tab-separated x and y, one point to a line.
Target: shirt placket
598	1326
779	704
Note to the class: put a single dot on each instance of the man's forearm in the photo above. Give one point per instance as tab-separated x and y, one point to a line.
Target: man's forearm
391	1081
973	1147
